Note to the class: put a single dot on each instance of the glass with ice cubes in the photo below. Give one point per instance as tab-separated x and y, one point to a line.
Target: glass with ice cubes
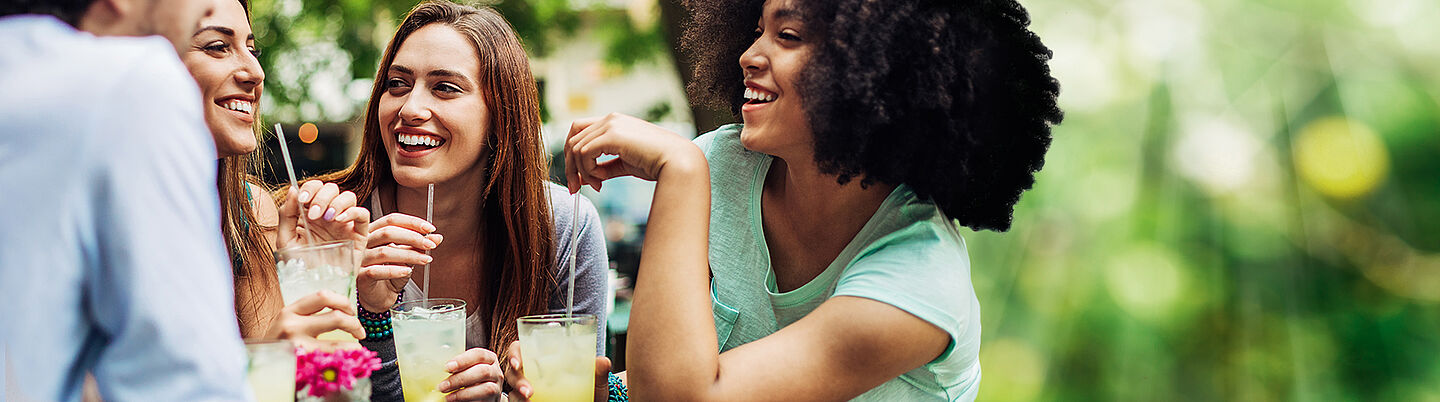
428	333
307	269
558	353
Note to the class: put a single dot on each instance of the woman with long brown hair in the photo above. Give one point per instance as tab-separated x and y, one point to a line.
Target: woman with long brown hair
455	105
222	59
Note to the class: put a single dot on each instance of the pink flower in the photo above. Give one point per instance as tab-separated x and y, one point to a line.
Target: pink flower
329	372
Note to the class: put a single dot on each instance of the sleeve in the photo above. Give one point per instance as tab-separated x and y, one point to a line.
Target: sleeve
385	382
925	272
592	283
163	292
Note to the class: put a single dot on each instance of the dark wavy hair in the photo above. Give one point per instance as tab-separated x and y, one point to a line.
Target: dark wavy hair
952	98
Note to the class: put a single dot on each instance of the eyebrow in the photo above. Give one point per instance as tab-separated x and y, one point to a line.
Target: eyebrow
432	73
786	13
222	30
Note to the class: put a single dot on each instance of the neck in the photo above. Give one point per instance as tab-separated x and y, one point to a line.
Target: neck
800	187
455	211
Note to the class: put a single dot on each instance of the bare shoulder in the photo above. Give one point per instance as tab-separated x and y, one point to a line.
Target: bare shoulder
267	214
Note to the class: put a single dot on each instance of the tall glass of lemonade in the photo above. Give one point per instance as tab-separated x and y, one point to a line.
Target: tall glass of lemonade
428	333
307	269
558	353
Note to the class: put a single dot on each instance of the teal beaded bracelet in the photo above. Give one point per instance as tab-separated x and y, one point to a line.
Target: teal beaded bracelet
618	392
377	325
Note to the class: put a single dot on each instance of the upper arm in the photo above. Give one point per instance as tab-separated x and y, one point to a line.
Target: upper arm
163	289
845	347
267	214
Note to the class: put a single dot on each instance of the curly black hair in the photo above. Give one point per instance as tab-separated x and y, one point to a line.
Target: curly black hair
953	98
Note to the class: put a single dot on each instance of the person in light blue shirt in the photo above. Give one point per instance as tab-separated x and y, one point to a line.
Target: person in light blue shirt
110	248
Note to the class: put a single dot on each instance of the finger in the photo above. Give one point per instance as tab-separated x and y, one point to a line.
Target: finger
394	256
479	392
474	376
308	190
319	301
384	272
468	358
602	377
388	235
315	324
404	221
611	169
358	219
515	372
573	180
289	218
339	204
319	204
584	154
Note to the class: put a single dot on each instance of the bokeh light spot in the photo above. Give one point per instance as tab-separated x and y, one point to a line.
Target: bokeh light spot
1147	282
308	133
1341	158
1014	371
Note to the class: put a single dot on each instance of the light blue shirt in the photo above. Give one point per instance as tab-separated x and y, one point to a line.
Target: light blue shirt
111	259
908	255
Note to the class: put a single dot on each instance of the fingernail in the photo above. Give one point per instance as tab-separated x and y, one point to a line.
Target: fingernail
408	270
304	196
514	363
429	227
450	367
430	244
525	390
429	259
315	212
444	386
330	214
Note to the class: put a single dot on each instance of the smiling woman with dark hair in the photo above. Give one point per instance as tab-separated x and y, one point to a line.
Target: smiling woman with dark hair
817	243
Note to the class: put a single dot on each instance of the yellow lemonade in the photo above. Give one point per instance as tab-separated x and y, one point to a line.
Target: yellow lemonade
559	357
428	333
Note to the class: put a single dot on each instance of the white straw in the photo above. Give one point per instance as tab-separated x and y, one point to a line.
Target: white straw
429	217
574	253
290	169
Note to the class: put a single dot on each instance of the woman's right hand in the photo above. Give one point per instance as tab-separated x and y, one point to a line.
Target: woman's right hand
643	149
301	321
395	243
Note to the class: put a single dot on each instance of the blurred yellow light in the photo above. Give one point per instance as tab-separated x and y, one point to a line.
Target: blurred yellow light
1148	282
308	133
1341	158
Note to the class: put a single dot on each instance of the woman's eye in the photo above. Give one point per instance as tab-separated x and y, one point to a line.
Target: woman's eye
255	52
787	35
395	83
220	47
447	88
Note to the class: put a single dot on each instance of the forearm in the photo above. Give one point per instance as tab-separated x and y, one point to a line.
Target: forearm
672	350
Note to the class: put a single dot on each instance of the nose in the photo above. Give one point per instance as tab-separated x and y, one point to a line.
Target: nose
416	109
250	74
754	59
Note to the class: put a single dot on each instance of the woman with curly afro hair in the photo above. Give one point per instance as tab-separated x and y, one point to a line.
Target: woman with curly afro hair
816	244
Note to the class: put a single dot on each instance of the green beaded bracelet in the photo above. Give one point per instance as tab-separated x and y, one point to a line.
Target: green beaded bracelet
618	392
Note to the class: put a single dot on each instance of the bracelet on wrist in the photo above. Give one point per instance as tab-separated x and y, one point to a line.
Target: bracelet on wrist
618	392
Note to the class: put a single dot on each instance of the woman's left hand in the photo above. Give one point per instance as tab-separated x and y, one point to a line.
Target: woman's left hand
320	212
474	376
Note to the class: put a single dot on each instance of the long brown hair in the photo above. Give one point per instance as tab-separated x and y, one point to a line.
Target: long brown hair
251	258
515	208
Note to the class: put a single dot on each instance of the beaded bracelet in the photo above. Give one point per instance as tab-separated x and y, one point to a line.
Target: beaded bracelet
377	325
618	392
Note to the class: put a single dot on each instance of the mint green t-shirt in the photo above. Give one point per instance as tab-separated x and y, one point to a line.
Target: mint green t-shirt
908	255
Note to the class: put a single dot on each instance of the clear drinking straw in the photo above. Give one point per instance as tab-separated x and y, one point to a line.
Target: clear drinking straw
574	253
290	169
429	217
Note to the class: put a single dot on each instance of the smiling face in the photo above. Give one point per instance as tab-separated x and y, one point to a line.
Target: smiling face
774	115
221	57
433	118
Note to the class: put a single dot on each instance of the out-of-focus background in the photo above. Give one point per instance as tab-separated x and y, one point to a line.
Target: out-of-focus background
1243	202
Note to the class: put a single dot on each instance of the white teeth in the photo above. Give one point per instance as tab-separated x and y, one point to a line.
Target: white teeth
240	106
407	139
758	95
